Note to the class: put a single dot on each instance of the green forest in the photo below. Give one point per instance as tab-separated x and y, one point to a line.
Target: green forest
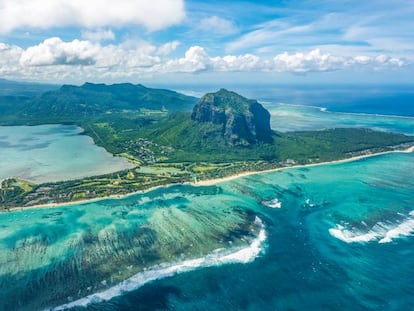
154	128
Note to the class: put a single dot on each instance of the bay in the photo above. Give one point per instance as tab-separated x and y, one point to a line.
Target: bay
48	153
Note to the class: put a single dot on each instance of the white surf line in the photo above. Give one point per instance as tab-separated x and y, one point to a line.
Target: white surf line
380	232
216	258
364	114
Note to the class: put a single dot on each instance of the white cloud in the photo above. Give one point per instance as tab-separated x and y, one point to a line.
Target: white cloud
362	59
379	62
195	60
9	60
98	35
307	62
168	48
80	60
116	57
316	61
126	56
247	62
275	32
152	14
54	51
217	25
9	53
367	29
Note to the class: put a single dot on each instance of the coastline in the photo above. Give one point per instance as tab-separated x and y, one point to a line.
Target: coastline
62	204
215	181
208	182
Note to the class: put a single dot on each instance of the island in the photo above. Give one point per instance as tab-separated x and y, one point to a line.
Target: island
172	138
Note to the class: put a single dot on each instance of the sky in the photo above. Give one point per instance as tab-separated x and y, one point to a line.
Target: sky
196	42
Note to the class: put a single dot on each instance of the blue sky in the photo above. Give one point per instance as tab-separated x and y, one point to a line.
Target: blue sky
162	41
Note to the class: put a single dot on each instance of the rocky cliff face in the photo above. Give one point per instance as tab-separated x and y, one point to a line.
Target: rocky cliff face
244	121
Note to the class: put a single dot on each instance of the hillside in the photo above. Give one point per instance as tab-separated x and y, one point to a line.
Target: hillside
83	104
91	100
225	134
15	96
130	120
223	126
24	89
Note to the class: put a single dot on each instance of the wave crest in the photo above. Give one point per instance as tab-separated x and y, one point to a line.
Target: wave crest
380	232
216	258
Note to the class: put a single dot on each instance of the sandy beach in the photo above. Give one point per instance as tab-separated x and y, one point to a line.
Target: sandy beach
210	182
110	197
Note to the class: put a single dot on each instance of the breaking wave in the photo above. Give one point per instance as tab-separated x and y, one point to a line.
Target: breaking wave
216	258
275	203
380	232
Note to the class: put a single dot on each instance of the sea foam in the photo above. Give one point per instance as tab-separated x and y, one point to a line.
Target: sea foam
215	258
275	203
380	232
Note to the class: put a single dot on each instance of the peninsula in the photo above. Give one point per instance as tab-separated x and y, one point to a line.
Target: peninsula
172	138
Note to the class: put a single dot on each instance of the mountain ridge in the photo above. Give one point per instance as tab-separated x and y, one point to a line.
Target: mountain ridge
92	99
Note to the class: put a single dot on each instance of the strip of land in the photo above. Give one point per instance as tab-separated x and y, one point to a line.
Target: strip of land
215	181
85	201
210	182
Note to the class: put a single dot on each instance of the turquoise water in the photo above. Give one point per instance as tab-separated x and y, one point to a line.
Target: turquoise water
53	256
304	266
339	237
286	118
52	153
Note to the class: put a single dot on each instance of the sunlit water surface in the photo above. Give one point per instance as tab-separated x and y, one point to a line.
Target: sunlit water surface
331	237
52	153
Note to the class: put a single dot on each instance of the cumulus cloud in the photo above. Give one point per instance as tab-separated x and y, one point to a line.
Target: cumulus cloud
247	62
152	14
195	60
54	51
116	57
168	48
306	62
80	60
126	56
381	61
316	61
9	60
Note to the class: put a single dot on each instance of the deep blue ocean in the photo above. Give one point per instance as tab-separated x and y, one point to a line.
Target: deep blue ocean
374	99
335	237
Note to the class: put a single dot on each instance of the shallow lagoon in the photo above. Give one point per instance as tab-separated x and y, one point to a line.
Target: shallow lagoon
52	256
52	153
342	239
333	244
286	118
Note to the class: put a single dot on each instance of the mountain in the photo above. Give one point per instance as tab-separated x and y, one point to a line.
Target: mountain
243	121
14	97
96	99
23	89
132	96
223	126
